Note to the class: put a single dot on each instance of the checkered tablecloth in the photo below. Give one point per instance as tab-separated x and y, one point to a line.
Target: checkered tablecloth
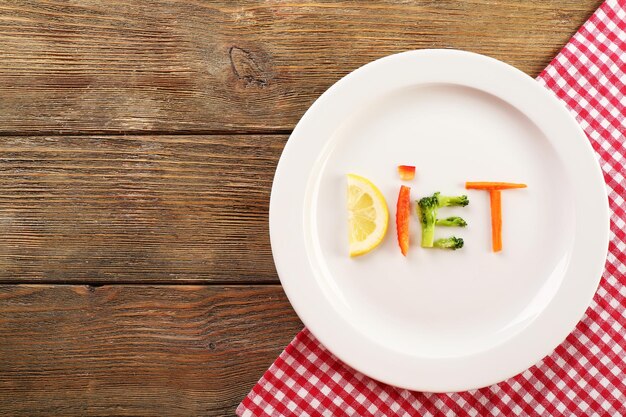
586	375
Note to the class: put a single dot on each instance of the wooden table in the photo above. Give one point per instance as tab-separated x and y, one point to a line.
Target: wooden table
138	141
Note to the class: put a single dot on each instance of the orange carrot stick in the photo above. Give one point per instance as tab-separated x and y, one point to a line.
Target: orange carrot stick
484	185
495	198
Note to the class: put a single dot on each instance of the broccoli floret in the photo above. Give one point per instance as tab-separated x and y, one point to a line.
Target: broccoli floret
446	201
427	212
427	207
451	221
453	243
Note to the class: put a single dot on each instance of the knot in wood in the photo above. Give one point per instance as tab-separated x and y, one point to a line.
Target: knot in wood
248	68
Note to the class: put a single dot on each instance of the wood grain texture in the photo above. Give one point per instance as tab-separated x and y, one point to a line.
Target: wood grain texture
136	208
137	351
179	65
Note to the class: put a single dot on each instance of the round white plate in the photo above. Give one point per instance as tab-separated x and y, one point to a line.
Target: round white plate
441	320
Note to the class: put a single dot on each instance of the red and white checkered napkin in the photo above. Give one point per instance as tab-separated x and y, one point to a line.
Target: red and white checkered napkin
586	375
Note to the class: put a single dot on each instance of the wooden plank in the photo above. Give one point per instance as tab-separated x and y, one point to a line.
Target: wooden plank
136	208
119	66
135	350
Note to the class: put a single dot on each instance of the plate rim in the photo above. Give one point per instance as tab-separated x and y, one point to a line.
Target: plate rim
284	221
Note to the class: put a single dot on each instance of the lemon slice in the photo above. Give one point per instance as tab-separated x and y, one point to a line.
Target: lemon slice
367	215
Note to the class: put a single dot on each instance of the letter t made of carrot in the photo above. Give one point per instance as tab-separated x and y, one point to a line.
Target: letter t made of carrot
495	198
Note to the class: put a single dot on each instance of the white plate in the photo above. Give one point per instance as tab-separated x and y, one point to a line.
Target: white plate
441	320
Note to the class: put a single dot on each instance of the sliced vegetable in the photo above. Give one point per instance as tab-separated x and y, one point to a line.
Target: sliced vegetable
428	207
451	221
484	185
447	201
452	242
407	172
403	215
495	198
